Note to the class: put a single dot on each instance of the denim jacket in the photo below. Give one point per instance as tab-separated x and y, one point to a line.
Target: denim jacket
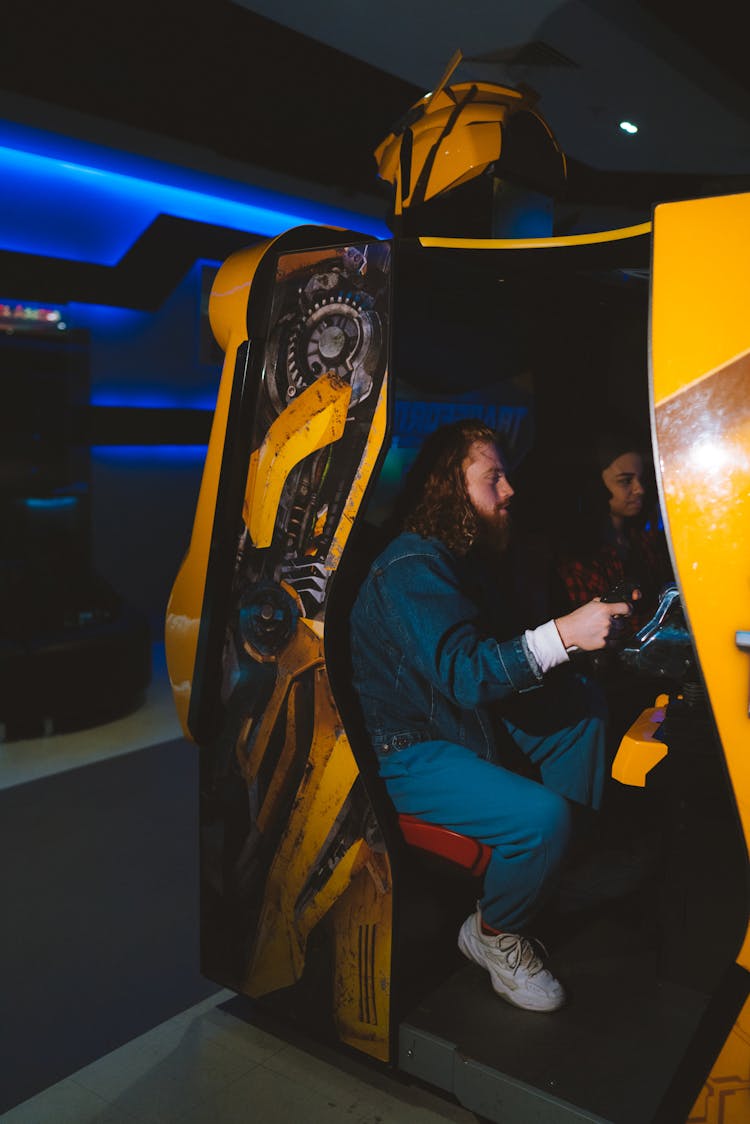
425	660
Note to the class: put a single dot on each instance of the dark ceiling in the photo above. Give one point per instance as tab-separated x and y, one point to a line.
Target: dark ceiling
214	75
676	72
228	80
716	33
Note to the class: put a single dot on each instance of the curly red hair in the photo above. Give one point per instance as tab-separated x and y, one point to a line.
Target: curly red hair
435	502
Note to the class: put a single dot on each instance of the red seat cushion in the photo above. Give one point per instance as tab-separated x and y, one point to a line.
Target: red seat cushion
462	850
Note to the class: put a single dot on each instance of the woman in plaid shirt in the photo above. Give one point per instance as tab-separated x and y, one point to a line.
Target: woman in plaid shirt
615	541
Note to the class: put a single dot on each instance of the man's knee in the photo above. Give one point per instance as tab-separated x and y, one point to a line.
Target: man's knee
554	822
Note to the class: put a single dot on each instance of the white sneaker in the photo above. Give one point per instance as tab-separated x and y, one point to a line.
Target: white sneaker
516	969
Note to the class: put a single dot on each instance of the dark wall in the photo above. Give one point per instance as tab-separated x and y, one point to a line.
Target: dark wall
143	495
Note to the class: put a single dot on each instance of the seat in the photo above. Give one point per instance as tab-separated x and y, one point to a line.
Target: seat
467	853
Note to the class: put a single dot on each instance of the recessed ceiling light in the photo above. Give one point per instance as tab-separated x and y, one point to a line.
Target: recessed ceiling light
628	127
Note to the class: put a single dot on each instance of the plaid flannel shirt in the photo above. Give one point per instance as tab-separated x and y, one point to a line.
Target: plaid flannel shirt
646	564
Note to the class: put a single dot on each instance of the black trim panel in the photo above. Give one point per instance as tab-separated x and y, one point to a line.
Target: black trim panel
142	279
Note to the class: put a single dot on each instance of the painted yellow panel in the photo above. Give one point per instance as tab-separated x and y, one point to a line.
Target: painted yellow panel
362	959
279	954
701	399
700	300
725	1098
282	802
228	315
559	241
315	419
703	437
702	422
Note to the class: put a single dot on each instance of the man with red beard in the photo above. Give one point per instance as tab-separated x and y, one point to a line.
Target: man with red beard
444	680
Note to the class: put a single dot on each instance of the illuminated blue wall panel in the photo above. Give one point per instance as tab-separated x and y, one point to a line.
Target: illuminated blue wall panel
67	199
149	360
149	456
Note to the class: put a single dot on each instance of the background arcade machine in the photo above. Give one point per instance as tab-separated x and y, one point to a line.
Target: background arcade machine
72	651
340	351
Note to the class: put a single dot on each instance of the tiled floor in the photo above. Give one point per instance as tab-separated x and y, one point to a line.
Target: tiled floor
204	1064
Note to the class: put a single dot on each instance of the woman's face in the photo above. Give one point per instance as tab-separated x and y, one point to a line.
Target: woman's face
624	481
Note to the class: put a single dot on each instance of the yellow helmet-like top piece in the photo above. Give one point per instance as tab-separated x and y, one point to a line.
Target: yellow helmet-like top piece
452	136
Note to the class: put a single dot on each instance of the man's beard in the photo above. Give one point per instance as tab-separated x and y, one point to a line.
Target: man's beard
496	531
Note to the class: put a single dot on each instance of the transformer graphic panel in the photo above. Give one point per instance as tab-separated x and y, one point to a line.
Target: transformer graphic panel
293	866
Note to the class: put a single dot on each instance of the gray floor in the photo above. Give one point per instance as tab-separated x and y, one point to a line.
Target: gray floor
102	940
204	1065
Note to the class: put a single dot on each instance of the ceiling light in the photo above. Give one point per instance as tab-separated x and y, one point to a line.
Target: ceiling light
628	127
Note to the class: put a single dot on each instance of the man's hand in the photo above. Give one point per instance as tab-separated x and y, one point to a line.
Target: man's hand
590	627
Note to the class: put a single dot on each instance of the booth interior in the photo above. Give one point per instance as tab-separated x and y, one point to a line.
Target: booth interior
550	347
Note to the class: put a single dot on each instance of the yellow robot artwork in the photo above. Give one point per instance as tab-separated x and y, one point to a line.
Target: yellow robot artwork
342	352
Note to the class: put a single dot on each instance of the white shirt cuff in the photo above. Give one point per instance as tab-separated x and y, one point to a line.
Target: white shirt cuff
546	646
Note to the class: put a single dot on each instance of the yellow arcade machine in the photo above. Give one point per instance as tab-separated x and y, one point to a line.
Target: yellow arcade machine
341	352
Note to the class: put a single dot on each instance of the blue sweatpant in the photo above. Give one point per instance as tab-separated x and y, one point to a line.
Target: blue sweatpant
561	730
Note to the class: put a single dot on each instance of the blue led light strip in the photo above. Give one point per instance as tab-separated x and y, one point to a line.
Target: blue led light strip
149	454
115	398
89	206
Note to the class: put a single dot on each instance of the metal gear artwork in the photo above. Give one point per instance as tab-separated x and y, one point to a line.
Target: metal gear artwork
329	323
337	334
267	619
